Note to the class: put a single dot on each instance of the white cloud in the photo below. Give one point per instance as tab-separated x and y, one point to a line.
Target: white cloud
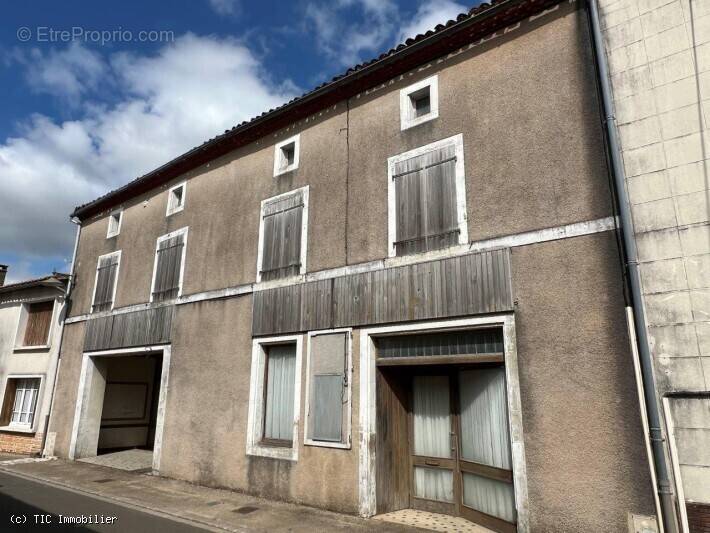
344	41
68	73
167	103
428	16
225	7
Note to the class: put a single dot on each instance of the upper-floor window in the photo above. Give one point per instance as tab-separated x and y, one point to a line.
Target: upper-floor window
36	323
286	155
169	266
282	236
114	223
427	198
176	198
419	102
105	284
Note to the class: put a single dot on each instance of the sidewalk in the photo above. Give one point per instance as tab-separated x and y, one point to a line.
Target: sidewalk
212	508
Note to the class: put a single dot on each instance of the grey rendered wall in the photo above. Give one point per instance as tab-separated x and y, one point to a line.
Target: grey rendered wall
586	462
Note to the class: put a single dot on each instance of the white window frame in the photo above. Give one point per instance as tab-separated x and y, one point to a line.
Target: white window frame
17	426
181	231
347	427
461	214
170	209
115	281
407	120
110	233
19	345
304	235
296	140
255	422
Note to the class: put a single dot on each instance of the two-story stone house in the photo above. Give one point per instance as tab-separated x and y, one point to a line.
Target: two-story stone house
400	290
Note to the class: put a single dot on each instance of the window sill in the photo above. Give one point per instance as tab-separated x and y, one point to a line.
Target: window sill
326	444
274	452
286	170
43	347
419	120
17	429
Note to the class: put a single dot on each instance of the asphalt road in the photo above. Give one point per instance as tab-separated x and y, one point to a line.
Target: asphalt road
31	506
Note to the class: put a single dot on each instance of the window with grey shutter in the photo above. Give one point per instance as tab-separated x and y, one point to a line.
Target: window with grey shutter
328	382
425	192
105	282
281	246
167	271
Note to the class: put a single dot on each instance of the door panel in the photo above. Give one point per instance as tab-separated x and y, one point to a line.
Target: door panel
431	409
434	484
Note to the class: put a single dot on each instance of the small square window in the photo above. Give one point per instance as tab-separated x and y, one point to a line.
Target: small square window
176	199
286	155
114	224
419	102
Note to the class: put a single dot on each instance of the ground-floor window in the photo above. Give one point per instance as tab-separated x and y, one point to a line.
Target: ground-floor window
274	401
20	402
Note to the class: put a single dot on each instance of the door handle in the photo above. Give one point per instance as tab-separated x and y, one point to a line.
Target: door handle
429	462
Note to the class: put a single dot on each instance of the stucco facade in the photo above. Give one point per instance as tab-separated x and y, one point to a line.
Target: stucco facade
535	177
18	361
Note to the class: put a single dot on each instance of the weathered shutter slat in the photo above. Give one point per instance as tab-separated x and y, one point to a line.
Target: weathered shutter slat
425	188
39	318
281	247
169	264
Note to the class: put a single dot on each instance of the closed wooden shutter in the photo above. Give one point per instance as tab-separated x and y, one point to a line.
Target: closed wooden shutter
39	319
281	251
328	394
426	214
105	282
167	273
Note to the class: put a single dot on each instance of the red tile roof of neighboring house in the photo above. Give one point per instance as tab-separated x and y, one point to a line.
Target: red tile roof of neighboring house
466	28
57	279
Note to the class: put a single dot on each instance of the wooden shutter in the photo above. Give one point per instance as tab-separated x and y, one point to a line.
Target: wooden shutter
426	214
328	394
167	272
281	251
39	319
105	282
8	401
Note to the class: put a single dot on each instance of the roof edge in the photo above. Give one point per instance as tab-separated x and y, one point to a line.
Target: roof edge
479	22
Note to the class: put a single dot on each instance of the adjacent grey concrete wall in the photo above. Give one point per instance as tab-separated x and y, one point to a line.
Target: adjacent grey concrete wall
659	56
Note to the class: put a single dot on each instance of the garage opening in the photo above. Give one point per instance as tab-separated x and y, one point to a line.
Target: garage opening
119	412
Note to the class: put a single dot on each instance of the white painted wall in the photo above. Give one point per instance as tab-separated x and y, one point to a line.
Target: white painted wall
659	59
36	362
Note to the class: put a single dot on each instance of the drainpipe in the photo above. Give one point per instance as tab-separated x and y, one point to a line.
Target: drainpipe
65	310
655	440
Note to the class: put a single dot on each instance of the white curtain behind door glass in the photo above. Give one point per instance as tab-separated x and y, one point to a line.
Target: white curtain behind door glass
280	383
432	422
433	484
432	436
484	417
489	496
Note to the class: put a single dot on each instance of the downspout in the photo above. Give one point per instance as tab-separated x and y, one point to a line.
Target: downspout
667	511
65	310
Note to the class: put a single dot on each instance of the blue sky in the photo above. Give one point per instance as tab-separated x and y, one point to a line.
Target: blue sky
89	109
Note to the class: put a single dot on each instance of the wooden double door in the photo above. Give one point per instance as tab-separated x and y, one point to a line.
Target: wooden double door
459	445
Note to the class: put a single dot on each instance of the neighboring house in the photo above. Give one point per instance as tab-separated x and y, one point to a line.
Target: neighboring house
403	289
31	314
659	62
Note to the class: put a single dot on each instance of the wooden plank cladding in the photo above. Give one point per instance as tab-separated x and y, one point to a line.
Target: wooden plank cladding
457	286
126	330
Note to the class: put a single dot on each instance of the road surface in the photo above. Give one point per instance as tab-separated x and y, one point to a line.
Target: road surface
31	506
